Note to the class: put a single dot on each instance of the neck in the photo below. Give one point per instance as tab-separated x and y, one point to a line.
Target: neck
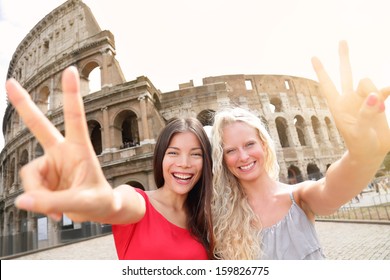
262	187
171	199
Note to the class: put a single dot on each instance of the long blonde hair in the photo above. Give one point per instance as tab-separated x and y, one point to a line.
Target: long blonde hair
236	236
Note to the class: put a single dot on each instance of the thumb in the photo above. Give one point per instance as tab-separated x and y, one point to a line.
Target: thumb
27	202
45	202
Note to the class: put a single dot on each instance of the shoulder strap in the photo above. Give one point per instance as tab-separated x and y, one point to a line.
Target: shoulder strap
292	197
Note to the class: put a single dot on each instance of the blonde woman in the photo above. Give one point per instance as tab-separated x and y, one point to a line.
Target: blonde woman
256	216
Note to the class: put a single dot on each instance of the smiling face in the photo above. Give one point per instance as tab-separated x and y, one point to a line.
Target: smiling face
182	163
243	151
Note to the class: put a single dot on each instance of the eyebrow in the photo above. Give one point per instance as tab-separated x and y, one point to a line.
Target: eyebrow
176	148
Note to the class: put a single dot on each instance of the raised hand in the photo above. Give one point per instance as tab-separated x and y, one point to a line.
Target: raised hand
359	114
67	178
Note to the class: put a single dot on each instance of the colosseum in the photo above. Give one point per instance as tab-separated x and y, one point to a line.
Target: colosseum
125	117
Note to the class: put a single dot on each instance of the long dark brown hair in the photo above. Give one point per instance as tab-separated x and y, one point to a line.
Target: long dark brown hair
198	202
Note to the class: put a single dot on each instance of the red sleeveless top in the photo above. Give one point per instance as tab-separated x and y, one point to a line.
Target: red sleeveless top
155	238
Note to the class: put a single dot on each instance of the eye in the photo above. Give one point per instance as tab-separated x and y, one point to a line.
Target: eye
197	153
171	152
229	151
250	144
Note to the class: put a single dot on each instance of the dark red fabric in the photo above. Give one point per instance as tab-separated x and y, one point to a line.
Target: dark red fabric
155	238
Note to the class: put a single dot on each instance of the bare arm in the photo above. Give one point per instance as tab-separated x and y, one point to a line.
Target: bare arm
360	117
68	178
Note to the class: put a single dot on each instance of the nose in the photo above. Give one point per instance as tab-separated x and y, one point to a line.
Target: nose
243	155
184	161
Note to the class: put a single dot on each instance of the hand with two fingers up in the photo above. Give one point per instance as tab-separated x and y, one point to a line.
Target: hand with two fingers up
68	177
359	113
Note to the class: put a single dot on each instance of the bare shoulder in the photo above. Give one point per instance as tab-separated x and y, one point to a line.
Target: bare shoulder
300	193
302	189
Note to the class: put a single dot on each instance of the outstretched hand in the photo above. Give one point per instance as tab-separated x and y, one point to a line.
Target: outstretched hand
67	178
359	114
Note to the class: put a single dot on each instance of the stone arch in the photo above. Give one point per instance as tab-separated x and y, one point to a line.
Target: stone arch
90	77
15	123
126	129
206	117
313	172
23	158
11	173
38	151
136	184
294	175
94	129
281	126
300	128
8	131
331	131
42	99
277	105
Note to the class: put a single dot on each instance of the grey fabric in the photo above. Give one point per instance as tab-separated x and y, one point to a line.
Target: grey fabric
292	238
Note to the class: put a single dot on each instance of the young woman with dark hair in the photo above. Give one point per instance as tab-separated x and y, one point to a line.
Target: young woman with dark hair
175	223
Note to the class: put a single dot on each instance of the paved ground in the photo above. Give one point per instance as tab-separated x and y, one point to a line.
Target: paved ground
354	241
341	241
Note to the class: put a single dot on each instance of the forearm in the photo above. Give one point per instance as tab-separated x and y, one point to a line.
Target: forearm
128	206
348	176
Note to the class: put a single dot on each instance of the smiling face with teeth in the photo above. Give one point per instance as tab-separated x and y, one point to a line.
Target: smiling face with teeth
182	163
243	151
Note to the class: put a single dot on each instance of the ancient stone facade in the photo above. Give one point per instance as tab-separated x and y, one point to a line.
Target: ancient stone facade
125	118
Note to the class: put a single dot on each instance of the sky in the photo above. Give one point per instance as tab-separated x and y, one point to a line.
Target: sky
175	41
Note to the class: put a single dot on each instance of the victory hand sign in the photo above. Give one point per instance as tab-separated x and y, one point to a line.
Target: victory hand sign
67	178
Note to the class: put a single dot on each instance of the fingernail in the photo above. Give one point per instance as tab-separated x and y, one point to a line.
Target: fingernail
372	99
25	202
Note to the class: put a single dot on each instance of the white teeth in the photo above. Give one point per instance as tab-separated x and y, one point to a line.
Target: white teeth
247	167
182	176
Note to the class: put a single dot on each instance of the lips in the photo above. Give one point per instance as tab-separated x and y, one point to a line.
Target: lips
247	167
182	176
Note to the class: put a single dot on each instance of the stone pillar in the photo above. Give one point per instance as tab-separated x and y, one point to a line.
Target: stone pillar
105	75
15	185
52	97
325	135
2	183
144	120
311	136
4	234
292	131
106	131
53	232
32	231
